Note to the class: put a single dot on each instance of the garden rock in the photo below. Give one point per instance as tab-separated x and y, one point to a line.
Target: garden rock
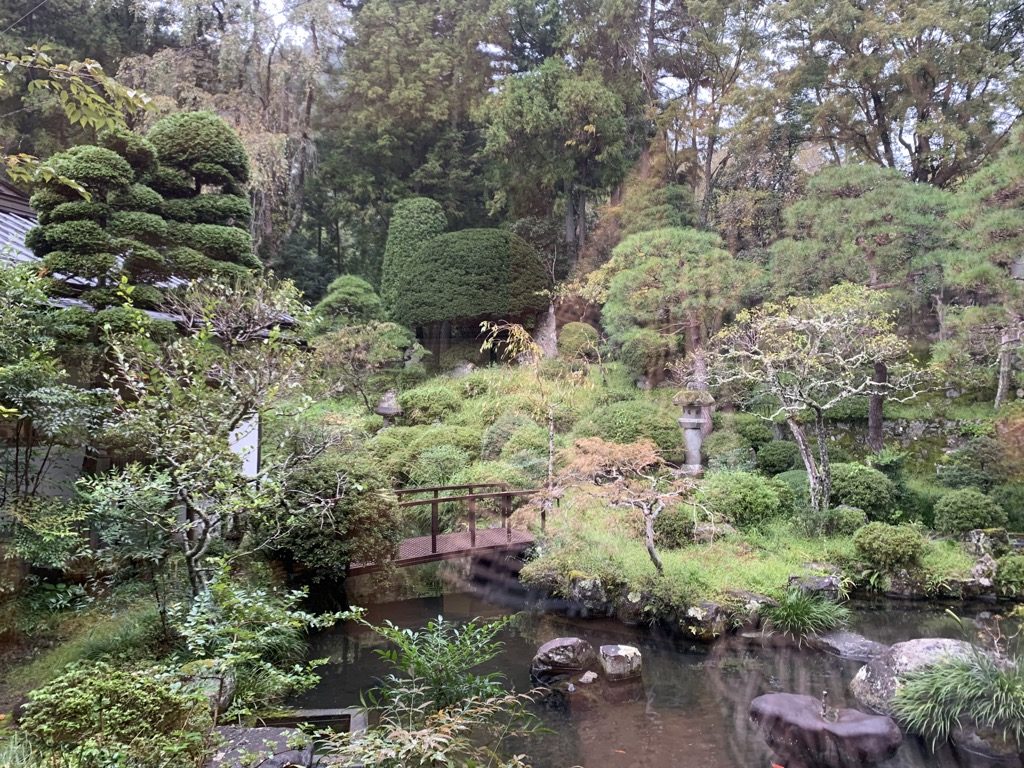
876	682
994	542
241	743
984	571
705	621
988	744
620	662
847	645
707	533
461	369
219	690
562	656
629	608
794	728
748	610
590	595
825	586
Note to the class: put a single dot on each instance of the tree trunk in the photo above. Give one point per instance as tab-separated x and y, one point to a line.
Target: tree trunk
824	465
876	404
650	515
1005	367
807	455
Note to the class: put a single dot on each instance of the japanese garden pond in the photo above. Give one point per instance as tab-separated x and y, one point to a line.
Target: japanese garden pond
692	709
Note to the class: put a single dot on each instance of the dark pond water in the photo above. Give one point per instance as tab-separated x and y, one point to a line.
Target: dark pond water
692	708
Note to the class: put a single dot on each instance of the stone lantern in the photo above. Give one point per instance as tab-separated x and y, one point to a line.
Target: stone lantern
697	406
389	408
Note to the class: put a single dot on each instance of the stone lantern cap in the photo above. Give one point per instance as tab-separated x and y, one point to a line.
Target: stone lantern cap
388	405
693	397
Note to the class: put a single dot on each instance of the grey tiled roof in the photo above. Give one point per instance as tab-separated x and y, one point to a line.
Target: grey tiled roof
13	228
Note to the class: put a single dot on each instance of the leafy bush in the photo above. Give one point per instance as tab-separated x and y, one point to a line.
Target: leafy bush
429	403
723	442
1010	574
470	275
673	528
865	488
209	208
95	715
341	511
493	472
529	439
77	209
498	433
441	656
216	242
643	350
935	699
801	614
95	168
350	300
967	509
632	420
777	456
919	499
1010	497
745	499
839	520
981	463
577	340
135	149
796	481
147	227
80	236
184	140
889	547
755	430
437	465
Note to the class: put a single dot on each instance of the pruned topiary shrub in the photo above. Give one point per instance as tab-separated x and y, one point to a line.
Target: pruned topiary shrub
414	221
578	340
529	439
644	350
777	456
437	465
196	142
673	528
745	499
981	463
865	488
889	547
428	403
967	509
752	427
631	420
350	300
498	433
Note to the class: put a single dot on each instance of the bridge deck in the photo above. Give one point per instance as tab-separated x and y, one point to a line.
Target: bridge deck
417	550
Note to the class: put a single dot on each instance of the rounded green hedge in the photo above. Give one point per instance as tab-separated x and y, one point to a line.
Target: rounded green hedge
91	265
215	242
631	420
209	209
673	528
134	148
745	499
79	236
186	140
76	210
414	221
171	182
138	225
967	509
350	300
865	488
889	547
754	429
725	446
577	340
428	403
470	275
137	197
96	168
643	349
498	433
49	196
777	456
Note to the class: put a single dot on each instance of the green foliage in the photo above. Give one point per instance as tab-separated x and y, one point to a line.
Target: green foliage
437	465
147	227
497	434
429	403
745	499
171	182
725	449
673	528
644	350
470	275
753	428
200	144
967	509
95	715
631	420
93	265
441	657
76	209
137	197
1010	574
210	208
936	699
339	511
83	237
865	488
777	456
414	221
350	300
529	439
841	520
802	614
1011	498
981	463
139	153
255	635
919	499
578	340
215	241
95	168
889	547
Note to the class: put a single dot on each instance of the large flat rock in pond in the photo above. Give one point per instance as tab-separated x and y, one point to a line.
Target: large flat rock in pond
876	682
272	743
847	645
793	726
563	655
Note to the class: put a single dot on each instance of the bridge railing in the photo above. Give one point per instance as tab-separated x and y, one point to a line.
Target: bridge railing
504	496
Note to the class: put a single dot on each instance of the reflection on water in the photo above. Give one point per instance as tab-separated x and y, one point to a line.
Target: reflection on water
693	707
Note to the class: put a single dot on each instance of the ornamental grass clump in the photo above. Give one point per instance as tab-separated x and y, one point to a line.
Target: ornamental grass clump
800	614
979	690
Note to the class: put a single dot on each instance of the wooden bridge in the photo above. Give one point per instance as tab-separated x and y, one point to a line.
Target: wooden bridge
445	546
